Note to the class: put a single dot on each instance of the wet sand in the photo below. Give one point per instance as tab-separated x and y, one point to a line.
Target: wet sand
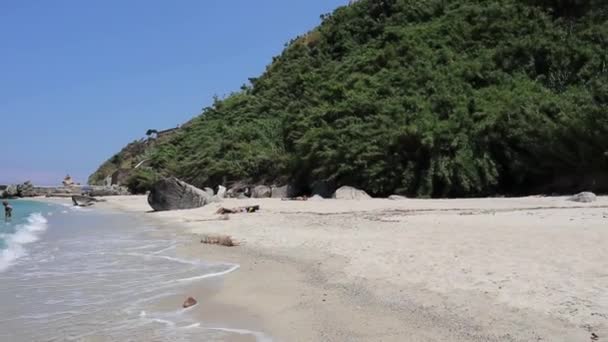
495	269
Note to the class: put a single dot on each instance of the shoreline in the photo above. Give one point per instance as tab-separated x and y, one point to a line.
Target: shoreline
503	269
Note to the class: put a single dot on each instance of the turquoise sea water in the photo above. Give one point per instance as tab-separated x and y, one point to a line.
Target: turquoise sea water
74	274
26	226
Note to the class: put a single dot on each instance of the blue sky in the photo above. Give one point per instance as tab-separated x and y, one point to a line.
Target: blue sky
80	79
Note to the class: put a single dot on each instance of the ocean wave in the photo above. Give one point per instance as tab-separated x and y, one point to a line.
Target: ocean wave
25	233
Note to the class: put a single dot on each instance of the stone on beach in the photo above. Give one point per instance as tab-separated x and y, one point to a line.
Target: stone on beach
350	193
584	197
173	194
261	191
221	191
84	201
189	302
209	191
397	198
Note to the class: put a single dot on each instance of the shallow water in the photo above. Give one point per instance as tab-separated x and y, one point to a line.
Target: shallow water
85	275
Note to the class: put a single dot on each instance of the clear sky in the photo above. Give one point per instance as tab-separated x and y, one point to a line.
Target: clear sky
80	79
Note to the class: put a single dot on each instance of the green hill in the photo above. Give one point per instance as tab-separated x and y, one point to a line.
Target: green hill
423	98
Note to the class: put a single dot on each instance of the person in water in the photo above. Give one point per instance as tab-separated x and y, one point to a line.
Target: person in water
8	210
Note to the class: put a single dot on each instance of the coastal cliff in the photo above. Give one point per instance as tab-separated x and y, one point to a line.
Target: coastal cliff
431	99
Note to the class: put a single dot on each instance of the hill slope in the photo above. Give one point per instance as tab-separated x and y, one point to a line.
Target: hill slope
427	98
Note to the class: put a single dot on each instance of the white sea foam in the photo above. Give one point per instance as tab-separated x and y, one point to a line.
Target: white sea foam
232	268
24	233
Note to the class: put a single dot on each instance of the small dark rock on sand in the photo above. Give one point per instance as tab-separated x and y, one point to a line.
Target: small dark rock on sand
189	302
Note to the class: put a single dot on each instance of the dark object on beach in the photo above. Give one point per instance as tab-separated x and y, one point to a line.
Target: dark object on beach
299	198
173	194
8	210
584	197
249	209
189	302
84	201
594	337
221	240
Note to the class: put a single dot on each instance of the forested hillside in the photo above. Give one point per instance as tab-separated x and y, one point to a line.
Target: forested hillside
423	98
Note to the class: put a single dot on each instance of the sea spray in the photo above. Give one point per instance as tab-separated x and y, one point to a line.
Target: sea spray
16	235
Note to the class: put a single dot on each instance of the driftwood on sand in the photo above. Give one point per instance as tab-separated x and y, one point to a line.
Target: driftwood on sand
248	209
221	240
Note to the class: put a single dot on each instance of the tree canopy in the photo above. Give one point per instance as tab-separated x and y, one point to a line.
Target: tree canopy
429	98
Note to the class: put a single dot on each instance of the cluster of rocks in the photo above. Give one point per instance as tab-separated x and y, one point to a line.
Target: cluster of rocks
27	189
174	194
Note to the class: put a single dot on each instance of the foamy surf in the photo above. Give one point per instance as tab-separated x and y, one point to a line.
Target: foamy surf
25	233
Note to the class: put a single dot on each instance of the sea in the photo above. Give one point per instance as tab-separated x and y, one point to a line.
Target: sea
81	274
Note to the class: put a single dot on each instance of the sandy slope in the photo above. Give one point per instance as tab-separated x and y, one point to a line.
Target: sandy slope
521	269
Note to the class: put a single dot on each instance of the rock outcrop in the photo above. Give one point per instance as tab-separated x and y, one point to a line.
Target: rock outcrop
26	190
261	191
209	191
10	191
350	193
173	194
584	197
238	190
84	201
221	191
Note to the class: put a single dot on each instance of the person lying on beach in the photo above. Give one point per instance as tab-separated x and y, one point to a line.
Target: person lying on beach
8	210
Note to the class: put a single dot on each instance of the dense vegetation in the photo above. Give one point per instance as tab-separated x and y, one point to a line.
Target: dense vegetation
423	98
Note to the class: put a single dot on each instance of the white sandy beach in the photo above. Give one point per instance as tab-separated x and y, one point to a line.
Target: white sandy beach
494	269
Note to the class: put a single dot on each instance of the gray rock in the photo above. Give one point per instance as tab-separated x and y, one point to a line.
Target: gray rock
107	181
173	194
1	193
350	193
215	199
316	198
209	191
397	197
11	191
279	191
261	191
584	197
84	201
26	190
221	191
238	190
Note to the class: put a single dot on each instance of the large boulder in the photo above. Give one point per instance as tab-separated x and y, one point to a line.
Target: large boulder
238	190
261	191
221	191
209	191
584	197
11	191
26	190
173	194
84	201
350	193
285	191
